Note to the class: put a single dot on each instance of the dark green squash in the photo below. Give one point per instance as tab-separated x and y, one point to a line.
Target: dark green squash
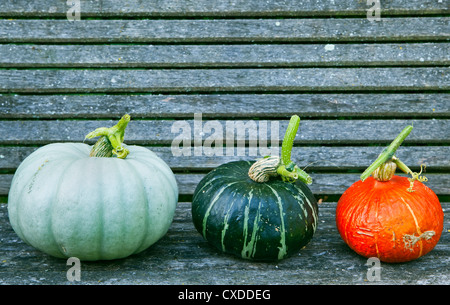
267	220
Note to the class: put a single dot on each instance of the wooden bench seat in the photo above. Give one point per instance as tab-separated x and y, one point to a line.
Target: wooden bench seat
354	83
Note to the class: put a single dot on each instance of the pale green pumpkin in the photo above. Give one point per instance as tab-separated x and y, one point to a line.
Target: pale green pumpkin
68	204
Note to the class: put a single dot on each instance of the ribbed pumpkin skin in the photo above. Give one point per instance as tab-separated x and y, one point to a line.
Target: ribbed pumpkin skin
67	204
384	220
259	221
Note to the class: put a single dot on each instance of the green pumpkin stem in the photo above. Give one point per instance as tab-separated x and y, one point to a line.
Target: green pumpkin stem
288	140
383	168
388	153
111	140
264	168
102	148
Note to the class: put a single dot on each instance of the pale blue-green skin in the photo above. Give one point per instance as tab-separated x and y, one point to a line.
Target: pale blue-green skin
68	204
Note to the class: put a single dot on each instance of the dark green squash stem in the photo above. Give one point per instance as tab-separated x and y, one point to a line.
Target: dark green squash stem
264	168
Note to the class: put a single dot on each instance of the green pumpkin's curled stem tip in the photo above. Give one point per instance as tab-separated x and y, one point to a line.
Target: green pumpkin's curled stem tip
303	176
388	153
111	140
264	168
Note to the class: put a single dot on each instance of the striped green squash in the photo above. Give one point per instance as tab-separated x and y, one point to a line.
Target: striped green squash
257	210
260	221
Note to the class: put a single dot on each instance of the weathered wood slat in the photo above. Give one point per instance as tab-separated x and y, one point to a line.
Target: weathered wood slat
201	8
183	257
161	132
195	56
225	31
313	158
224	80
323	184
225	106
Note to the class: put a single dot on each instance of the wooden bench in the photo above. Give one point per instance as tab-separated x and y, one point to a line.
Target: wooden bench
355	83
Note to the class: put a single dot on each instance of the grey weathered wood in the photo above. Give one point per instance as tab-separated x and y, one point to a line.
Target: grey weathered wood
220	80
195	56
146	132
225	106
201	8
221	31
324	184
183	257
317	158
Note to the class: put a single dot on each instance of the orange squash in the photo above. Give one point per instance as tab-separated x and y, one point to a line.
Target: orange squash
393	218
